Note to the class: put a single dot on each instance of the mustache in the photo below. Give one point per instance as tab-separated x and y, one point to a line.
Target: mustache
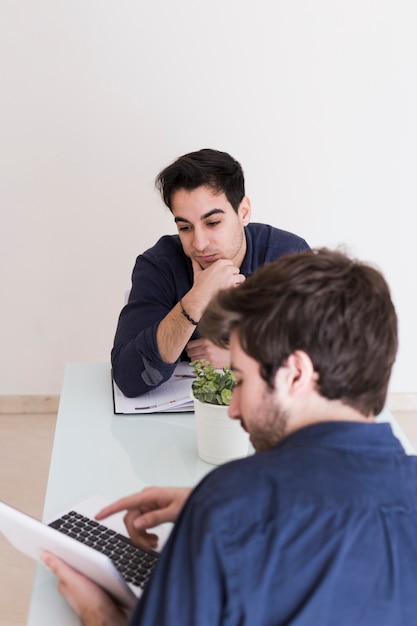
201	253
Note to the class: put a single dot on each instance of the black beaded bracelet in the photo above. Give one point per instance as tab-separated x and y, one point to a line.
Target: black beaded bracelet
188	317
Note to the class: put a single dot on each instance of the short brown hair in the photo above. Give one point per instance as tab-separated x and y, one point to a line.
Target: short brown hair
336	309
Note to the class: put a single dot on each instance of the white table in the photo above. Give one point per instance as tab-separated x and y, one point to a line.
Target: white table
97	452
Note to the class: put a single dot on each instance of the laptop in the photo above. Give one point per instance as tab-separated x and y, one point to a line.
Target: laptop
102	551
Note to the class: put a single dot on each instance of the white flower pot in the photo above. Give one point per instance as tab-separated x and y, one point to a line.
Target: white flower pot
219	438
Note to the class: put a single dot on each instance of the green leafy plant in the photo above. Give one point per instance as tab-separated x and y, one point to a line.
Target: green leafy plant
211	385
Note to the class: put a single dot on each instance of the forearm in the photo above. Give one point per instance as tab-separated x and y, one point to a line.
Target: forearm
138	366
146	349
98	617
174	332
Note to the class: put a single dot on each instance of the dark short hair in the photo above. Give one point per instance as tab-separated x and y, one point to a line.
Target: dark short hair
212	168
335	309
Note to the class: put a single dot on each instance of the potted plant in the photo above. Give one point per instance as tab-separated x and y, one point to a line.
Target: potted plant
211	385
219	438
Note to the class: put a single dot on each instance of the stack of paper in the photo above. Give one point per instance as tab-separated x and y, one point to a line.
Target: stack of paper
172	396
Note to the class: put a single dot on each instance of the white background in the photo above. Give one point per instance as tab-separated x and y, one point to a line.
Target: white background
316	98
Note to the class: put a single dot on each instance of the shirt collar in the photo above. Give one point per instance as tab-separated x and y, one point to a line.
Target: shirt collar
344	435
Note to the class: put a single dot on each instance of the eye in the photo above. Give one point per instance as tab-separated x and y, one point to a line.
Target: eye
212	224
184	229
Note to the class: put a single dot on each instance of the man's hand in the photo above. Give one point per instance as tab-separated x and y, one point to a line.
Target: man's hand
91	603
148	508
204	349
222	274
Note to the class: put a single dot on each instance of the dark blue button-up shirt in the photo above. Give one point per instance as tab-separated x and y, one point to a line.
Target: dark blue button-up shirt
319	531
161	277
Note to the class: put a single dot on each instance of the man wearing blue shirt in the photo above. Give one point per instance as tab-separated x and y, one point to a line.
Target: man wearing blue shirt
320	525
172	282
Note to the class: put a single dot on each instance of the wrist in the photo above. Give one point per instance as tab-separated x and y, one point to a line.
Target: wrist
189	314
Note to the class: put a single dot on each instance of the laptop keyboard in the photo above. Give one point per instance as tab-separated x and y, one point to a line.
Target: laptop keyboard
133	563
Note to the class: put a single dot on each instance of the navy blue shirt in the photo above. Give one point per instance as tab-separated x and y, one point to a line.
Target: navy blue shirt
319	531
161	277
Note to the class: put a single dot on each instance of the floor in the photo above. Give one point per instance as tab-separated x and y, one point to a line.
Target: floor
26	444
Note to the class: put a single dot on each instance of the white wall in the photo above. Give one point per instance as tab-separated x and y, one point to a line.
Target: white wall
316	99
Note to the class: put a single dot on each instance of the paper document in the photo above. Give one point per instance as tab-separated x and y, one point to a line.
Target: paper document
172	396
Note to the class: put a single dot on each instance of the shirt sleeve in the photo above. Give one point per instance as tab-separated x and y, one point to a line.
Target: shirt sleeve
159	279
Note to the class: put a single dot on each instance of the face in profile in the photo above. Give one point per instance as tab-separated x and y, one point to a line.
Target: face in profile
258	408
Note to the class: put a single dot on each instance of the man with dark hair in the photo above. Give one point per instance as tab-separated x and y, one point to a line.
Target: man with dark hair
320	525
172	282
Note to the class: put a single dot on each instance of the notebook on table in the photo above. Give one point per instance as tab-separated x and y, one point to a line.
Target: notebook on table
102	551
173	396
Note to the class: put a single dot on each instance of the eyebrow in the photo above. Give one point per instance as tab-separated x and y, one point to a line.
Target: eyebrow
203	217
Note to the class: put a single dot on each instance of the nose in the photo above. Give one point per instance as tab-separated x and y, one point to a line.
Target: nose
200	239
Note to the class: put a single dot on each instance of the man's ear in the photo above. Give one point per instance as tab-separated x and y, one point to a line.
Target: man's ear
244	210
300	373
